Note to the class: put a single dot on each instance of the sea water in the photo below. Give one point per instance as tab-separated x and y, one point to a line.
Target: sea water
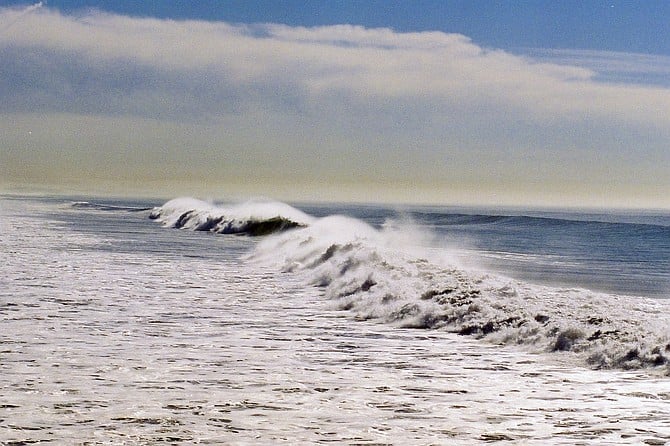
349	325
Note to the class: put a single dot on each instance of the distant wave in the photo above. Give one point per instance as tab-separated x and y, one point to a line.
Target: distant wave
253	218
388	274
107	207
661	222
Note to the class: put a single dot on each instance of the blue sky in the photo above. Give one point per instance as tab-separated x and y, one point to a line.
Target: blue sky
559	103
624	26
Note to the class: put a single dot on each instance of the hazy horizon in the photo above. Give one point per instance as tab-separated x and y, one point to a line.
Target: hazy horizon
161	103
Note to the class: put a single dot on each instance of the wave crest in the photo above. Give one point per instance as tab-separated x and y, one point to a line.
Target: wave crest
252	218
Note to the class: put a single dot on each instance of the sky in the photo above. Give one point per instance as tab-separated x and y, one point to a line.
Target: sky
520	103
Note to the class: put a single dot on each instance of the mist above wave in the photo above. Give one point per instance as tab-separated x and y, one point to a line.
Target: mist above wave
384	274
401	275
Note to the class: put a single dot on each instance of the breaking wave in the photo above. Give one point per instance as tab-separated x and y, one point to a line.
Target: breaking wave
399	274
253	218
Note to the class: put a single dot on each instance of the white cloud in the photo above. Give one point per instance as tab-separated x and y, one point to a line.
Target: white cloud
392	106
198	58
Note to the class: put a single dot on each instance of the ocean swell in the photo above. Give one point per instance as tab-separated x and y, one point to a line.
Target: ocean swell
399	274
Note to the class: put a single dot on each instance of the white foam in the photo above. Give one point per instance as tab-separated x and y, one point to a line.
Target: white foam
109	342
169	213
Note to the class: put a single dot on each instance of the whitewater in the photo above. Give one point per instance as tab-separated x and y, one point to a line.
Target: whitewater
190	322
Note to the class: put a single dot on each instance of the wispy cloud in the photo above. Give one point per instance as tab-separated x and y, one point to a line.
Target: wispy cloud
612	66
344	103
17	14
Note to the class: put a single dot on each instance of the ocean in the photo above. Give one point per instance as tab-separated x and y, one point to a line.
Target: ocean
144	322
